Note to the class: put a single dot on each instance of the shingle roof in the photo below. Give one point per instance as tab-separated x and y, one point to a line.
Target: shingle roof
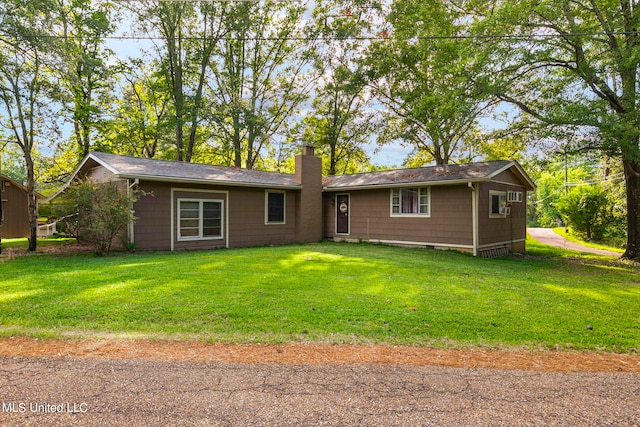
444	174
164	170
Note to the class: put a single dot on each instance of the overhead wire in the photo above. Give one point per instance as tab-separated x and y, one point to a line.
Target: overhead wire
379	36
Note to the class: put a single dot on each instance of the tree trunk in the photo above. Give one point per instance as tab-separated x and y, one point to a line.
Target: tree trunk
237	141
31	204
632	178
174	50
332	159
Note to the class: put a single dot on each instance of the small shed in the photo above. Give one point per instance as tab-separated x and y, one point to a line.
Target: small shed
15	213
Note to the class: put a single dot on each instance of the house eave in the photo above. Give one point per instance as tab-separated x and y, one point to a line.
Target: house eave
531	186
329	189
209	182
78	168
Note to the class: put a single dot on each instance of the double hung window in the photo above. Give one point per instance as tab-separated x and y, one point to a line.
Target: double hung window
410	201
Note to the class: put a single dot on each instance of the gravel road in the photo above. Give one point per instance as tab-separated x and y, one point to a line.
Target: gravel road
138	392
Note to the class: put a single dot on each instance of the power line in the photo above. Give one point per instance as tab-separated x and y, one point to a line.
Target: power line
611	178
380	36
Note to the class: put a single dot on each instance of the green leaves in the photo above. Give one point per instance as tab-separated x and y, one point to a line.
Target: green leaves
586	210
98	212
575	63
427	75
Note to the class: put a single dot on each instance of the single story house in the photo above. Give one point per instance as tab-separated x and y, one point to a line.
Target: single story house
477	207
15	212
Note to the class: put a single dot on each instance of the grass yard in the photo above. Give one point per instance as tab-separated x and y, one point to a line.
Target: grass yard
23	243
328	292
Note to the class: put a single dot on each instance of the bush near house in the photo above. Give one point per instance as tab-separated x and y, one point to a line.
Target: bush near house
97	212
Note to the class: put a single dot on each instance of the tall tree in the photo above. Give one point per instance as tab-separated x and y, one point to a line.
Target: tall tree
260	76
25	84
170	20
140	124
189	32
429	77
82	26
575	63
342	119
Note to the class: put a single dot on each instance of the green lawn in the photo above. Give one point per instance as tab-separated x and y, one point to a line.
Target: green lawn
24	243
328	292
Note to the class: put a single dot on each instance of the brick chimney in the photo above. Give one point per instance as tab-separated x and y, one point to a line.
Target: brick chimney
309	201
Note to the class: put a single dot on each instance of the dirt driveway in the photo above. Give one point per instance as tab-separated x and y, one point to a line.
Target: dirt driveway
549	237
115	383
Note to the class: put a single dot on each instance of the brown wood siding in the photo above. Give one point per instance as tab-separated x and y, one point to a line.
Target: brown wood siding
501	230
245	220
449	223
308	225
508	177
15	222
328	215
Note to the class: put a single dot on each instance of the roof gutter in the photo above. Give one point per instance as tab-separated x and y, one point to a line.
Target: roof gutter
405	184
207	182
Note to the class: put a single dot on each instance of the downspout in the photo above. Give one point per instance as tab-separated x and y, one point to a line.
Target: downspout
474	216
130	186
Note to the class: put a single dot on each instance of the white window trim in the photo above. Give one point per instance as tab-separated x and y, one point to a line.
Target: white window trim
496	193
200	236
266	208
410	215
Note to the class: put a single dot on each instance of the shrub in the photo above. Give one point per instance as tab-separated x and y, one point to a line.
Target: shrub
100	212
587	210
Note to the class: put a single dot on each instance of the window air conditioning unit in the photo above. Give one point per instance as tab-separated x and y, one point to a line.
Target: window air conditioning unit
505	210
514	196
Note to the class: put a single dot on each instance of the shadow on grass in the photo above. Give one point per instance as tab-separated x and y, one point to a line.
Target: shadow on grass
329	292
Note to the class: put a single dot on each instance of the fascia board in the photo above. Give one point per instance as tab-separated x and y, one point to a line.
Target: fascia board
73	176
156	178
101	163
521	171
405	184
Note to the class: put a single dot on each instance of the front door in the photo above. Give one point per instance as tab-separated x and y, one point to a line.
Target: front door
342	214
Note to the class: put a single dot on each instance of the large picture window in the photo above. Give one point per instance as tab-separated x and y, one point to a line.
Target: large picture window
410	201
199	219
275	207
